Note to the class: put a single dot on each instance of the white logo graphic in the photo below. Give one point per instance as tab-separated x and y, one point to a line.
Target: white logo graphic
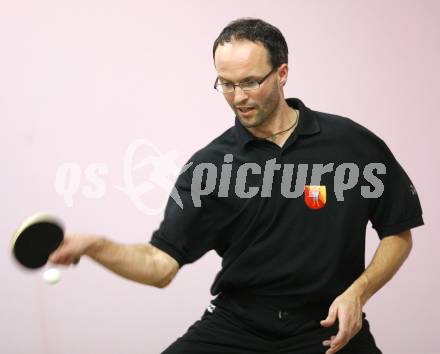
211	308
68	181
163	174
140	156
159	171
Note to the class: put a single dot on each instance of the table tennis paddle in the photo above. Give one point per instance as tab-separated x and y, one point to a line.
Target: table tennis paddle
36	238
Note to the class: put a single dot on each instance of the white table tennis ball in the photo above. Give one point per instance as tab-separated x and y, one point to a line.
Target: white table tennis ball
52	276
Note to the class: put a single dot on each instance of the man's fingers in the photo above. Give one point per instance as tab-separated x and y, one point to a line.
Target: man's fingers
341	339
69	251
328	341
343	335
55	257
331	318
59	255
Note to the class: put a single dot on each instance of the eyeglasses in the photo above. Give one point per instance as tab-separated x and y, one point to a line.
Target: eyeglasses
250	85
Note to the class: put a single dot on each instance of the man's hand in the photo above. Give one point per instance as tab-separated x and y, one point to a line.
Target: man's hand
71	249
347	308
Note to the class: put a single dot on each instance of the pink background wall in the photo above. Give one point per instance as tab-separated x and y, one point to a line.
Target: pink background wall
82	80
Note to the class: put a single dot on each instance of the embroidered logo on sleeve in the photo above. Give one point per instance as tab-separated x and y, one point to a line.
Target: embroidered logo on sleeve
315	196
412	189
211	308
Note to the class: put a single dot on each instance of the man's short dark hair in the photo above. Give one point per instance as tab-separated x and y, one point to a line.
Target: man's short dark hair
256	30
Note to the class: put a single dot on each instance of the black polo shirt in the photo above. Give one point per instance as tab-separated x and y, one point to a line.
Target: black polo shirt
282	242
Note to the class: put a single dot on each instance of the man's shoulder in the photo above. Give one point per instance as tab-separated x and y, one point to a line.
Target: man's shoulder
345	130
337	124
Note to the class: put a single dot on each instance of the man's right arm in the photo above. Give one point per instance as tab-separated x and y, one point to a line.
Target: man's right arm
142	263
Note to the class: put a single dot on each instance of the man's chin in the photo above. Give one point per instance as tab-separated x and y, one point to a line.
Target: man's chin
250	122
247	122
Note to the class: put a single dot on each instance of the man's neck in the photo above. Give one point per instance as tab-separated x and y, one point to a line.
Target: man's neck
283	118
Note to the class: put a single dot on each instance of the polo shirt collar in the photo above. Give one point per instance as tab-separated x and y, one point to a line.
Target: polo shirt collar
307	124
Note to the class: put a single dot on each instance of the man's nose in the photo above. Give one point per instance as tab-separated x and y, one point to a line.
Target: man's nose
239	95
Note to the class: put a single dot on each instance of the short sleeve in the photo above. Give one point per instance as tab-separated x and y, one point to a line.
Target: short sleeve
398	208
186	232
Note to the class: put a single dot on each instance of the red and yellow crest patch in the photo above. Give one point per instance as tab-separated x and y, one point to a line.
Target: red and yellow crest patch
315	196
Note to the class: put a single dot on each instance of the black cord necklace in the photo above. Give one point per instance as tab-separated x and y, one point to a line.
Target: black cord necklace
285	130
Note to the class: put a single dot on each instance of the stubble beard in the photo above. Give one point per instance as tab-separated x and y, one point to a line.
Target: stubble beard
262	115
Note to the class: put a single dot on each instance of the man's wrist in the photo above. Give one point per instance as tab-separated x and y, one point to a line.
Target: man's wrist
94	243
361	289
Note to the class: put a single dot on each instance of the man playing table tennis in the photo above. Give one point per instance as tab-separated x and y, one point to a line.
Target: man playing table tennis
293	275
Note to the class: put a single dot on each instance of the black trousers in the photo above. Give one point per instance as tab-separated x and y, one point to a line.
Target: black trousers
238	325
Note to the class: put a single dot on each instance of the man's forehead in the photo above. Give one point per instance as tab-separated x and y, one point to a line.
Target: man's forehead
240	59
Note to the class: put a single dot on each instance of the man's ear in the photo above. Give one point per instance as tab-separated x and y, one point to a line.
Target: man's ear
283	73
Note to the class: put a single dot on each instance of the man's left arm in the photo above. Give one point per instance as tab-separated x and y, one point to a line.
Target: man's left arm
347	307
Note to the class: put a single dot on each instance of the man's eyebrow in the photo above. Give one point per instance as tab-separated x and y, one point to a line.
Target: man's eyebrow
251	77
